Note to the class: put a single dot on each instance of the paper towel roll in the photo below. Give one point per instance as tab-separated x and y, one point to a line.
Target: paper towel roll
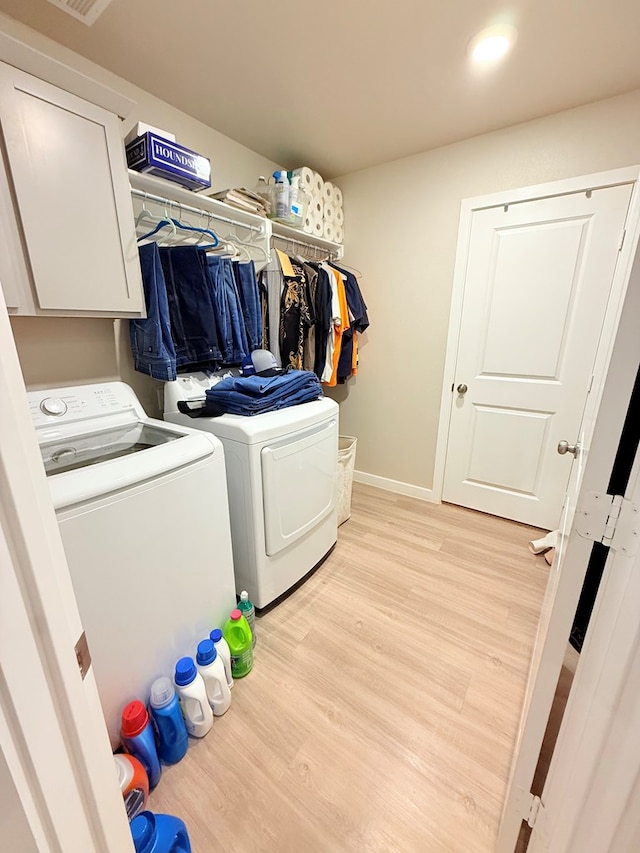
308	225
339	217
337	196
329	230
317	207
329	212
307	178
338	234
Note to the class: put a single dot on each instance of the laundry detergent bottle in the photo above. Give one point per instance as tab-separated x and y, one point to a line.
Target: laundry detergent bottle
134	783
171	732
249	613
198	716
159	833
222	648
237	633
211	669
137	739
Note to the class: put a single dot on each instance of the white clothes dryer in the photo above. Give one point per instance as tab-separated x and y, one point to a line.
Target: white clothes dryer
142	509
281	480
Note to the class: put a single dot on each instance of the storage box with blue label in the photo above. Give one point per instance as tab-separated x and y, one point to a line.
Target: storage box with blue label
165	159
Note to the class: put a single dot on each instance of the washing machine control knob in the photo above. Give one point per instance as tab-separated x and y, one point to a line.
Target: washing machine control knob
53	406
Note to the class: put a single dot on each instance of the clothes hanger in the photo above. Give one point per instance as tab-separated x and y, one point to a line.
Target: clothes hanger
254	247
161	221
224	249
195	229
247	246
346	267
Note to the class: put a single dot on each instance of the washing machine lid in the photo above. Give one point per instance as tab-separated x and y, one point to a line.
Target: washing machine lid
96	439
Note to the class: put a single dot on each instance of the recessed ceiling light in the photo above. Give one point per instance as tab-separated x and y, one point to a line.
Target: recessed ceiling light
492	44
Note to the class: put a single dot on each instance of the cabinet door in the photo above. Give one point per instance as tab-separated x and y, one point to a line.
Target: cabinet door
66	162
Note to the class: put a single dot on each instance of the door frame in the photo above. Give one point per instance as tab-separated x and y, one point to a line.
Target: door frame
468	207
594	772
598	455
52	732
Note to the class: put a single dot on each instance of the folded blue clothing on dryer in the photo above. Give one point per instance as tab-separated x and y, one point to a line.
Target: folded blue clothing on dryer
255	395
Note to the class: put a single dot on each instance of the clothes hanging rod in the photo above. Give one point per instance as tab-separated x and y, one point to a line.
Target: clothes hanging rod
167	202
314	246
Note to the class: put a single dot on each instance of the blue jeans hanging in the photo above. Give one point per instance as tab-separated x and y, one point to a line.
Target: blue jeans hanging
190	298
245	275
151	344
234	345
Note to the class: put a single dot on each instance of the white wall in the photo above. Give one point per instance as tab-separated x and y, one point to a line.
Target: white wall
401	223
55	351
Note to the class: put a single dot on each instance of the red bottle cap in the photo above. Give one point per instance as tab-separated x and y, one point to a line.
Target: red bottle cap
236	614
134	719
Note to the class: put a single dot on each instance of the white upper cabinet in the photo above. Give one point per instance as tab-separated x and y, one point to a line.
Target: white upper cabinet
67	216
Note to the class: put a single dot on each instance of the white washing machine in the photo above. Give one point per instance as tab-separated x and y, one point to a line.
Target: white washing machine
281	480
142	509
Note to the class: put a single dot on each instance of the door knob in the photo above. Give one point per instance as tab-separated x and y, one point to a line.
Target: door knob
462	389
565	447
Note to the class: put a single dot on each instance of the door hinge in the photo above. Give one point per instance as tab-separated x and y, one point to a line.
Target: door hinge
83	655
611	520
624	234
535	804
535	815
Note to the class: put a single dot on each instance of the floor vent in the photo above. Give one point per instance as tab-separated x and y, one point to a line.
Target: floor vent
86	11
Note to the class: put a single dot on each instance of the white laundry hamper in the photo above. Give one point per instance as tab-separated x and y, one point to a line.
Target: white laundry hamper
346	466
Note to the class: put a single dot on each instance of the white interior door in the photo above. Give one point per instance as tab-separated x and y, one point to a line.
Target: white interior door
590	474
56	759
592	793
537	284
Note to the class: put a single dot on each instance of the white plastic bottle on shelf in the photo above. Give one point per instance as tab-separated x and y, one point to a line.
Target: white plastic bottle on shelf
295	207
198	716
281	196
222	648
211	669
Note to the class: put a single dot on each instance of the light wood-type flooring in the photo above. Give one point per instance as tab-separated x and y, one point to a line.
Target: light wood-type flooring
382	710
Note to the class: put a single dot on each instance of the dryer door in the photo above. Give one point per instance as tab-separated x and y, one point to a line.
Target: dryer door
298	484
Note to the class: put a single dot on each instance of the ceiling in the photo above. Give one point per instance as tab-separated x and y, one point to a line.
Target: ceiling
344	84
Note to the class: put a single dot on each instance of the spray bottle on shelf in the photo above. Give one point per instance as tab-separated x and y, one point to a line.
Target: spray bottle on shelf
249	612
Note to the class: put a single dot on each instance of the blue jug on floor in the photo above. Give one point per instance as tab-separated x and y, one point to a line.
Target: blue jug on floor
159	833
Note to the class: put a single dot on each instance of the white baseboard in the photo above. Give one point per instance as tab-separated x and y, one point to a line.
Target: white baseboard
396	486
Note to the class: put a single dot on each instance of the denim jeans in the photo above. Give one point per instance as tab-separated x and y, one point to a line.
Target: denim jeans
151	344
233	335
190	298
245	275
252	395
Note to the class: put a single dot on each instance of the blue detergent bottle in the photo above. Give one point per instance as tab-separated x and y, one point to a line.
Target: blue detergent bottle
137	739
171	731
159	833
